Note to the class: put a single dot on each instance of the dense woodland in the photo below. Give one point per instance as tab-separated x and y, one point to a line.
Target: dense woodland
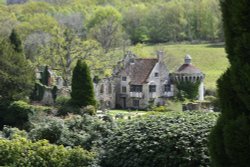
57	32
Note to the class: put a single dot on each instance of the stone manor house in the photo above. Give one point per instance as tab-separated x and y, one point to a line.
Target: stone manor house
138	82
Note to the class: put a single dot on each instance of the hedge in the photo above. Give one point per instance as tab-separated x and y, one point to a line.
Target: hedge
163	140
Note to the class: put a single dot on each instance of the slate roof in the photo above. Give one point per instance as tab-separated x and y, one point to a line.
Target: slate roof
188	69
140	70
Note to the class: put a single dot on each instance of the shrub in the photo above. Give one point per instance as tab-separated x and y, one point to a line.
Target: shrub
17	114
51	130
75	130
62	100
88	110
22	152
68	108
169	139
160	109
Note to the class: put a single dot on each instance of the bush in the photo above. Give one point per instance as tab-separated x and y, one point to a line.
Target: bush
169	139
88	110
75	130
17	114
160	109
51	129
22	152
62	100
68	108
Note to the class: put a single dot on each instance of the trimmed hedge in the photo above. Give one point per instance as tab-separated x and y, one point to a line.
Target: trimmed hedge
22	152
161	140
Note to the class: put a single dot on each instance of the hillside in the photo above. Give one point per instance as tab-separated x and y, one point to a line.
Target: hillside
211	59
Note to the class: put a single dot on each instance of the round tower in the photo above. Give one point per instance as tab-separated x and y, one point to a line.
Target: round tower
189	73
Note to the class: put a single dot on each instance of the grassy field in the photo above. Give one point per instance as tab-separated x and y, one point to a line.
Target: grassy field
210	58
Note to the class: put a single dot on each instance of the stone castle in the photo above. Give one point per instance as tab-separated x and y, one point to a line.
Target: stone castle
138	82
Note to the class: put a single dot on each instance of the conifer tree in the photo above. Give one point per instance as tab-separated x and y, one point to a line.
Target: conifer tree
16	41
82	93
16	74
230	138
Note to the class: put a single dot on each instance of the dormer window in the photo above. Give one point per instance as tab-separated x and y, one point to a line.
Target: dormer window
156	74
124	78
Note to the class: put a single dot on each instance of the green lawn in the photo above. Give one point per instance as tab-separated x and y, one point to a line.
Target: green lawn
211	59
172	106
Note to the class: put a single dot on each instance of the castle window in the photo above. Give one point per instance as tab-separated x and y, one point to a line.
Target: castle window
152	88
156	74
124	78
167	88
124	89
110	88
136	88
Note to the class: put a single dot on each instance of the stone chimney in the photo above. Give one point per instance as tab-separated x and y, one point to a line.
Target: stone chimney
160	56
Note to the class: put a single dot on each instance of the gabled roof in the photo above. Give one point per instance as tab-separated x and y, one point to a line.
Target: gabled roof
140	70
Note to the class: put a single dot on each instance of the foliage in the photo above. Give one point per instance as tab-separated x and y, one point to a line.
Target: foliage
62	100
16	41
16	114
75	130
229	141
160	109
22	152
105	27
169	139
89	110
82	86
16	73
187	89
68	108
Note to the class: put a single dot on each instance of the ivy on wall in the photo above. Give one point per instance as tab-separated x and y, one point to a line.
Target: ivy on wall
187	89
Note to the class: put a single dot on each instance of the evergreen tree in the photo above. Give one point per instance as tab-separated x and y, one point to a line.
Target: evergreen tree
230	138
82	93
16	41
16	74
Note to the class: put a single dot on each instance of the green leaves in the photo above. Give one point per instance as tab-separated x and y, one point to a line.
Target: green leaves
82	86
171	139
22	152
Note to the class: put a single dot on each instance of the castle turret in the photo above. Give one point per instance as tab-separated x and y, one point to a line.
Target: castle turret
189	73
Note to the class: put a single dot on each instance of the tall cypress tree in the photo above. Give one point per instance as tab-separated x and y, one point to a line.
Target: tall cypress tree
82	93
17	77
230	138
16	41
